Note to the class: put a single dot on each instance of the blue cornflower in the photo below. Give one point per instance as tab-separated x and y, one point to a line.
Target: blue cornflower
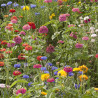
15	4
43	68
80	72
77	86
55	73
22	7
9	3
53	68
44	58
43	6
17	65
50	64
2	5
32	5
70	74
46	71
29	84
37	13
25	76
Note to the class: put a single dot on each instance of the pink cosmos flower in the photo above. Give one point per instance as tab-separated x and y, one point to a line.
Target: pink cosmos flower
68	69
73	35
50	49
75	10
62	17
47	1
17	39
22	33
60	41
26	27
37	66
43	29
85	38
78	45
51	80
22	91
14	21
11	44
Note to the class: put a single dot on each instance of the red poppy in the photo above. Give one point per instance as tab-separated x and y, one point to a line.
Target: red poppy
1	63
28	48
8	52
3	42
21	56
12	10
96	56
39	58
15	73
1	56
32	24
14	17
25	44
16	31
2	49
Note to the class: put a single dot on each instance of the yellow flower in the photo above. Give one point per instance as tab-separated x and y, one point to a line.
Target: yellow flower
96	89
83	68
64	0
83	77
43	93
45	77
26	8
76	69
62	73
50	17
53	14
79	2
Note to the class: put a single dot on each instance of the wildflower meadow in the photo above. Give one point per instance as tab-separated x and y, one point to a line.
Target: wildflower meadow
49	49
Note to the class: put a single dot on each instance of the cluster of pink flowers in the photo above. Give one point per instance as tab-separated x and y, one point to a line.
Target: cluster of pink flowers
50	49
47	1
17	39
43	29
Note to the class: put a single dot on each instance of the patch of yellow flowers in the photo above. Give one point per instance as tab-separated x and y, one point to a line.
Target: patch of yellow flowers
26	8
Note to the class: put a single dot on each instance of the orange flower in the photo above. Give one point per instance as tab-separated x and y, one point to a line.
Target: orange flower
13	17
83	77
20	16
1	63
3	42
83	68
6	16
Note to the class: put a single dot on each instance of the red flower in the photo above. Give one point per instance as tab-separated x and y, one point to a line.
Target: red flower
25	44
96	56
1	63
8	52
15	73
1	56
21	56
16	31
12	10
3	42
51	80
2	49
39	58
37	66
32	24
28	48
14	17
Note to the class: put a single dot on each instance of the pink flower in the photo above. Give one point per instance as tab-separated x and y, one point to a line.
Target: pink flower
10	44
67	15
51	80
4	85
60	2
88	20
85	38
26	27
62	17
93	0
37	66
47	1
75	10
71	25
78	45
50	49
73	35
22	33
43	29
60	41
14	21
17	39
22	91
68	69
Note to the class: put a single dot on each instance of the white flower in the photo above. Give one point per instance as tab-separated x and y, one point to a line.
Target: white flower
3	86
10	14
92	40
85	18
94	35
92	28
96	30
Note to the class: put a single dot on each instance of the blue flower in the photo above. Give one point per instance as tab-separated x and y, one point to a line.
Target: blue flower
46	71
54	68
80	72
44	58
55	73
70	74
43	6
22	7
3	5
25	64
17	65
55	0
32	5
25	76
9	3
37	13
50	64
43	68
77	86
15	4
29	84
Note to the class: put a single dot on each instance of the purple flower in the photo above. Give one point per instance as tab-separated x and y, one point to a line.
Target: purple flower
54	68
50	49
44	58
30	84
43	68
70	74
17	65
11	44
50	64
17	39
25	76
78	45
77	86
